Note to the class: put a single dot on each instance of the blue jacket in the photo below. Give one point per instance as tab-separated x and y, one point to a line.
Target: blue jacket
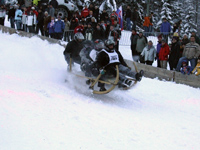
59	26
186	70
165	27
18	13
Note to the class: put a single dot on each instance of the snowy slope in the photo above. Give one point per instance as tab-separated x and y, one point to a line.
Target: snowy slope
39	111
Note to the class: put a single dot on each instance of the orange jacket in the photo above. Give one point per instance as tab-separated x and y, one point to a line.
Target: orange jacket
147	22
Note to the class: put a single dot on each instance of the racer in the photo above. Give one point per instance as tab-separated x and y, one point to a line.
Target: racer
107	59
73	49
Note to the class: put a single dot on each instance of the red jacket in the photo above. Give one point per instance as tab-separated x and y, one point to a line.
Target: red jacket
164	52
35	12
85	12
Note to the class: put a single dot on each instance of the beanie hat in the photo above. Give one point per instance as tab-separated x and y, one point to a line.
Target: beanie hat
160	36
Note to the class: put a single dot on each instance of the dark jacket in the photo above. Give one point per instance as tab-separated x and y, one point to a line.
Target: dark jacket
73	48
98	34
134	16
128	14
40	19
11	13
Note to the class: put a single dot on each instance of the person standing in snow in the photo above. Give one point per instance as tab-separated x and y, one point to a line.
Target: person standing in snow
18	17
11	16
165	29
24	19
50	27
149	53
47	20
159	44
59	28
31	21
128	18
40	22
2	15
163	54
133	38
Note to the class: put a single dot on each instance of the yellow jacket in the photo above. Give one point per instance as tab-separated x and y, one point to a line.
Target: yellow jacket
35	2
196	70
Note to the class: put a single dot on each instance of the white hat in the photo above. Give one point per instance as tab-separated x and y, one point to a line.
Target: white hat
33	8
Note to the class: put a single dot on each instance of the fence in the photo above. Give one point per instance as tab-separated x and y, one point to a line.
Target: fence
125	38
150	72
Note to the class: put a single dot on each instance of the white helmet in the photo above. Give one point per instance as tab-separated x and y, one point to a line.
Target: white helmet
78	36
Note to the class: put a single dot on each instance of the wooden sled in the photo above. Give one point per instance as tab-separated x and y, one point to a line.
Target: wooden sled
111	82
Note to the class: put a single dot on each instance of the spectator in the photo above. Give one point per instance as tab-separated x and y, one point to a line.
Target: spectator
91	7
34	11
93	22
47	20
59	27
66	31
89	32
196	70
2	15
83	21
174	53
114	35
114	16
190	53
50	27
185	68
134	18
89	17
98	33
103	15
11	16
96	13
54	4
133	38
149	53
163	54
158	50
118	29
31	21
146	25
177	27
141	43
165	29
79	28
151	23
51	11
85	12
196	37
40	22
128	18
77	13
184	41
24	19
18	18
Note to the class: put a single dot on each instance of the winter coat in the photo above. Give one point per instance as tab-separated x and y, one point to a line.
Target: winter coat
50	27
73	48
196	70
134	16
67	25
2	13
141	43
85	12
24	18
164	52
191	50
133	39
186	70
128	13
175	52
147	22
165	28
73	24
11	13
89	33
31	19
59	26
149	53
18	14
185	41
40	19
159	47
102	16
51	11
47	20
98	34
96	13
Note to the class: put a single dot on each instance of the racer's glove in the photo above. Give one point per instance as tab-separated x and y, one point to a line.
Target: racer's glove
102	72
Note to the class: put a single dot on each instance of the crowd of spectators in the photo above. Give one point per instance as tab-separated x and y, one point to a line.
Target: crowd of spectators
95	25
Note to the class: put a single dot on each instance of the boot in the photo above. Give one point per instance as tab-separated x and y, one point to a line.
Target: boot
139	75
102	89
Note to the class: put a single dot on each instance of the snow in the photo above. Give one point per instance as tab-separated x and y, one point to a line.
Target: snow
38	110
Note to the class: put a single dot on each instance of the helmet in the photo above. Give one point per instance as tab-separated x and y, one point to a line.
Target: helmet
109	42
99	44
78	36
